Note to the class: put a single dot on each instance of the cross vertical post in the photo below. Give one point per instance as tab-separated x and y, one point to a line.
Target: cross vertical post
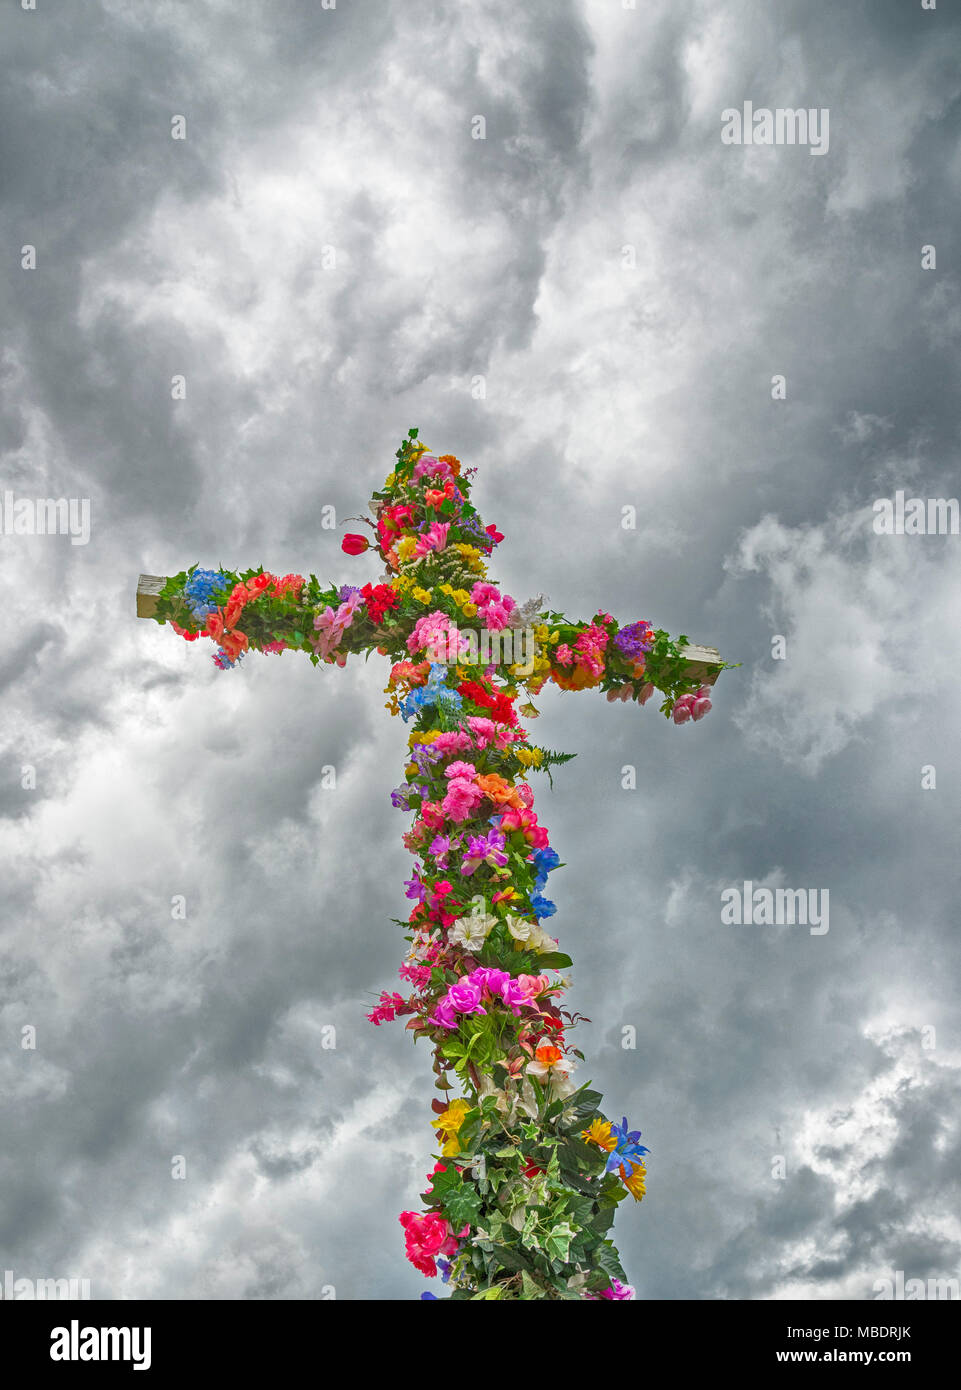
529	1171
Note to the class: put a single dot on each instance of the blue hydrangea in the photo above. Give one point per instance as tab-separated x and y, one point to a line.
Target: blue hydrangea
200	589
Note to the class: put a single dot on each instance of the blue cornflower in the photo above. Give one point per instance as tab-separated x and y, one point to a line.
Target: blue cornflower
541	906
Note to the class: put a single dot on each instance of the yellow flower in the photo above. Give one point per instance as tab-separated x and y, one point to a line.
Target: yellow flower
446	589
540	633
600	1134
423	595
460	596
449	1123
470	610
406	547
635	1183
533	756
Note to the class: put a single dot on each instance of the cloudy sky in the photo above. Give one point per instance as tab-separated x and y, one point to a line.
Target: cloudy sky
589	305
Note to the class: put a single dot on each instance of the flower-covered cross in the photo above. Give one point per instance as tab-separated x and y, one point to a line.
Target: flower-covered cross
529	1173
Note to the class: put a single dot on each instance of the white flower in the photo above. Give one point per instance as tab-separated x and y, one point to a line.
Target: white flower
519	929
473	930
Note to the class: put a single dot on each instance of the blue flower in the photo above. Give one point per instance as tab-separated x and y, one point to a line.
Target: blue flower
542	907
628	1151
200	589
544	860
434	693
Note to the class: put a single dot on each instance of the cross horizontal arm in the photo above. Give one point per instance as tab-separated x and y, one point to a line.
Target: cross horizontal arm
331	623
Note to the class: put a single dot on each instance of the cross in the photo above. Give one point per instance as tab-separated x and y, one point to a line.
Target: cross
530	1171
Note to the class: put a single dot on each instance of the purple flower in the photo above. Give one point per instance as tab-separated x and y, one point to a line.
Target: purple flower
347	591
400	798
440	848
423	755
484	849
415	888
635	640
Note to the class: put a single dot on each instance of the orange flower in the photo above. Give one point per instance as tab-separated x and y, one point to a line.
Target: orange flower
232	613
578	679
234	643
498	790
454	463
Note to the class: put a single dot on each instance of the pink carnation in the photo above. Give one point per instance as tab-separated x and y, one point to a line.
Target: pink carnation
462	798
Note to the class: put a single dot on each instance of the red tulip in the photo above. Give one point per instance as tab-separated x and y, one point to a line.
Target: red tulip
354	545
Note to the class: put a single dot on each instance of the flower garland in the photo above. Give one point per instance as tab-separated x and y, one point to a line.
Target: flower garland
523	1195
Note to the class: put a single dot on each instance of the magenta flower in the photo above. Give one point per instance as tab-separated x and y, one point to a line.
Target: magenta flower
444	1015
465	997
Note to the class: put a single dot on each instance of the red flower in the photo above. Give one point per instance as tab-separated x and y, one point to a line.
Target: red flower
257	583
353	544
495	535
379	599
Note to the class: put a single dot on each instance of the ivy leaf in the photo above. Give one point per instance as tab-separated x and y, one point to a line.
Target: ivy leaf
462	1206
558	1241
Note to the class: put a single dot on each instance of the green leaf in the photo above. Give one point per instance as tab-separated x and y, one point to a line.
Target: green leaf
554	960
558	1240
462	1207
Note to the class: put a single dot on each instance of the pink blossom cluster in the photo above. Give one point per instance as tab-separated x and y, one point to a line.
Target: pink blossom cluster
466	995
692	706
493	607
